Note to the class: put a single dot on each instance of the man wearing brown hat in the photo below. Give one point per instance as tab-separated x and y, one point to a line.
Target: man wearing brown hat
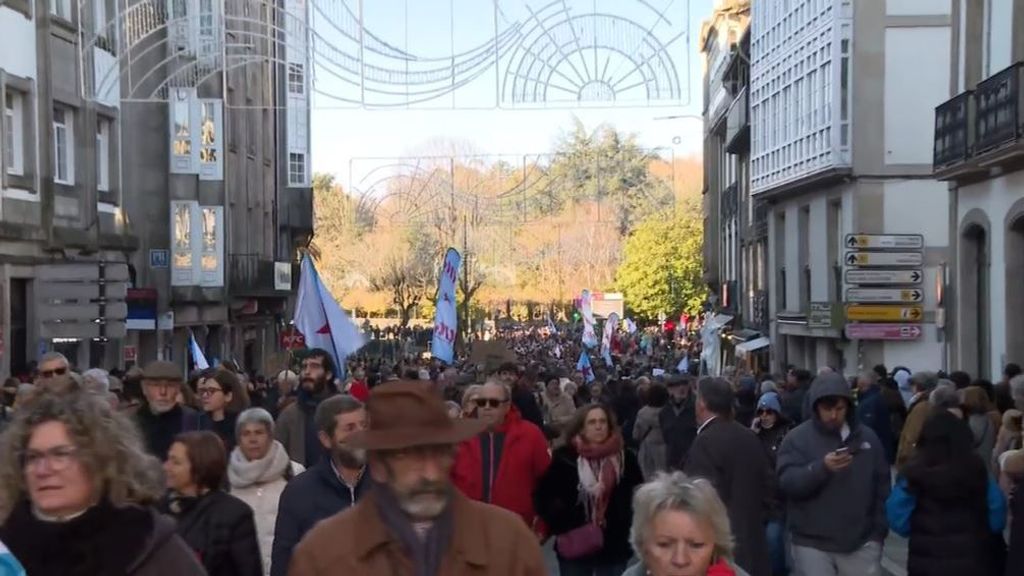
161	418
414	522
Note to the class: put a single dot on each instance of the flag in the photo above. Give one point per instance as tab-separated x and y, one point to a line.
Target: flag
551	325
321	320
198	358
583	367
445	316
610	324
586	308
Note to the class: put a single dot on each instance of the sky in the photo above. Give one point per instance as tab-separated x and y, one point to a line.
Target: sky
345	137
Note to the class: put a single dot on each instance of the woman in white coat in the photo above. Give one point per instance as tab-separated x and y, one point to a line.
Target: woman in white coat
258	470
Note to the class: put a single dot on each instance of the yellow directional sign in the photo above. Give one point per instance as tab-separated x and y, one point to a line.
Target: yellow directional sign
883	313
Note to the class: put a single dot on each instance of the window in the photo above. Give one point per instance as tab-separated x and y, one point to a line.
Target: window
99	16
63	145
103	154
296	78
61	8
208	151
14	140
296	169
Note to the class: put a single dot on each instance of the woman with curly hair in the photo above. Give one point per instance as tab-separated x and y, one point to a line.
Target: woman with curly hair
76	488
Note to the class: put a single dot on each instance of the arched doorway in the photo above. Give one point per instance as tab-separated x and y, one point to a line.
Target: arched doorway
974	309
1014	258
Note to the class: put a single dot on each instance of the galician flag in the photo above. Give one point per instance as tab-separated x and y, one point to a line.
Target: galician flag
198	358
589	335
446	318
321	320
583	366
606	337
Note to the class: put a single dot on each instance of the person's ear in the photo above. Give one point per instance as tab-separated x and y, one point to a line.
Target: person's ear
326	441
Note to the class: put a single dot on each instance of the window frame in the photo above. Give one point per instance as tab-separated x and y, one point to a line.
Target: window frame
62	9
14	132
296	79
67	126
296	169
103	131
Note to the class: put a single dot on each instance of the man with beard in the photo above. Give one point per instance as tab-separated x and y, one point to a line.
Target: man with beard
834	476
334	484
161	419
678	421
295	429
414	522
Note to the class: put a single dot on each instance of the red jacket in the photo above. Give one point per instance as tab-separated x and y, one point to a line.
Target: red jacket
524	459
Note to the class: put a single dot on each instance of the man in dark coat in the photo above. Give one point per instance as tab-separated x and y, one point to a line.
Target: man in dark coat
161	418
732	458
678	421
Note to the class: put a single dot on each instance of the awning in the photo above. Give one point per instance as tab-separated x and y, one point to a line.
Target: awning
751	345
722	319
743	335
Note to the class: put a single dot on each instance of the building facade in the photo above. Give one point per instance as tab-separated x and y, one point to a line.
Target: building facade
65	243
979	151
840	108
223	179
733	271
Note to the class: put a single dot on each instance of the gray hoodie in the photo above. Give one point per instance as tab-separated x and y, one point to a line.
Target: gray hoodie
834	512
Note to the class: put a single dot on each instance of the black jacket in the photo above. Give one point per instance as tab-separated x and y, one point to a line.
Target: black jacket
557	501
526	403
104	541
221	530
732	458
771	441
679	429
159	430
310	497
949	532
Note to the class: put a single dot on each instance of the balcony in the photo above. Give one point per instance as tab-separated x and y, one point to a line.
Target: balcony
979	129
759	225
737	124
253	276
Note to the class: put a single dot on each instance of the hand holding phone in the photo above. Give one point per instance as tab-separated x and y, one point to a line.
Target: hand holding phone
838	459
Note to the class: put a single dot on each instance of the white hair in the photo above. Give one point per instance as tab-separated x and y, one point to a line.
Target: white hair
677	492
96	380
254	416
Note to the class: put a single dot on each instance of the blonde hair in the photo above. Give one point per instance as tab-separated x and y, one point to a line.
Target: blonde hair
108	445
676	491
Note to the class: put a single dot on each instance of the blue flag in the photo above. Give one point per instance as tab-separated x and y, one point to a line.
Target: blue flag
198	358
583	366
445	316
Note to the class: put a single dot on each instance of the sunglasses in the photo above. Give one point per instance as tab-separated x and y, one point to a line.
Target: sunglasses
54	372
488	402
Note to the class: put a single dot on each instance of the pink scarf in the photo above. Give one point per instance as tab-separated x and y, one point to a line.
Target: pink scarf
600	468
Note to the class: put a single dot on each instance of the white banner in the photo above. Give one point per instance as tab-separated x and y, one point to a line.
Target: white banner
587	305
606	337
446	318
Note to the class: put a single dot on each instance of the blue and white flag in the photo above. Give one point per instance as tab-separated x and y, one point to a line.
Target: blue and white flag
583	367
198	358
551	325
587	310
445	318
321	320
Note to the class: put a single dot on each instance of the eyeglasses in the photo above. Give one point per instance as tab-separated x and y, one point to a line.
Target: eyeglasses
488	402
208	391
55	372
59	458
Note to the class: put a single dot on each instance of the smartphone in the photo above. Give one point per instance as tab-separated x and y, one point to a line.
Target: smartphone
842	451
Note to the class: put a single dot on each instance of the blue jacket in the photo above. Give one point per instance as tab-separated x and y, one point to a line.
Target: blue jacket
310	497
873	413
901	503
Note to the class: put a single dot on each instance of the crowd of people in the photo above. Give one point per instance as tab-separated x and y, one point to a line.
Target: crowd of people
641	466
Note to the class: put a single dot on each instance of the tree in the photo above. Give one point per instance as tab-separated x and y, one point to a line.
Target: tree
403	264
661	266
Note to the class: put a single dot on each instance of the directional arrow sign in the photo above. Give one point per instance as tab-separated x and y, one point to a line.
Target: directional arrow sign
883	259
885	295
883	313
883	331
885	241
883	277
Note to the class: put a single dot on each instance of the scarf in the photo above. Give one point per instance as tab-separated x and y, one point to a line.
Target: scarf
243	473
425	552
600	468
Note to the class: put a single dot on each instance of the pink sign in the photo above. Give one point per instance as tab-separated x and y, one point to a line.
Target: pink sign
883	331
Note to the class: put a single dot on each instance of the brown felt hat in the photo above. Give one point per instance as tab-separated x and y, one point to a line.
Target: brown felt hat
162	370
409	413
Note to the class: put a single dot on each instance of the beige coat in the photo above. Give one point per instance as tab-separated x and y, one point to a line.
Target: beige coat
486	540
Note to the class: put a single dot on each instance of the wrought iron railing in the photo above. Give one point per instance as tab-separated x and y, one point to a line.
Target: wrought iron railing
952	124
997	101
252	275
